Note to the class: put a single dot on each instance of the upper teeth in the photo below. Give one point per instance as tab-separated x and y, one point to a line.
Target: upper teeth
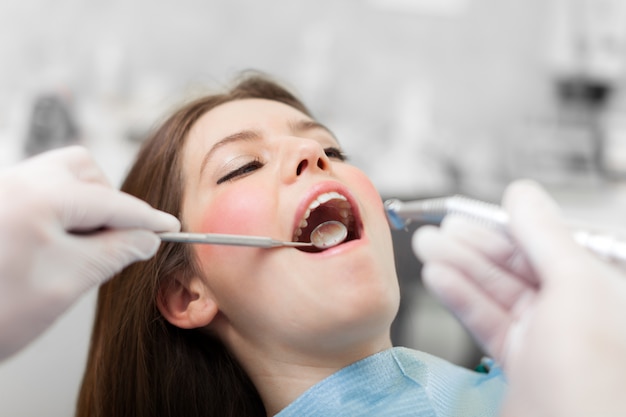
345	209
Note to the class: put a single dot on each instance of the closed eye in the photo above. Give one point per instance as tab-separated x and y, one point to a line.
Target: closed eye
335	153
243	170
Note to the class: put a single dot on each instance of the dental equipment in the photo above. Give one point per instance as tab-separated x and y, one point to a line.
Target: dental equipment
324	236
400	214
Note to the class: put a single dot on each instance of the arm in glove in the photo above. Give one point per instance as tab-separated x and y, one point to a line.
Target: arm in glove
63	230
549	311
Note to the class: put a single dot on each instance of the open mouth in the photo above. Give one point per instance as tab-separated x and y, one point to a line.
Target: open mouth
326	207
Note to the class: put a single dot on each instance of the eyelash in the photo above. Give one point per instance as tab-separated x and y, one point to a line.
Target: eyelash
331	152
335	153
242	170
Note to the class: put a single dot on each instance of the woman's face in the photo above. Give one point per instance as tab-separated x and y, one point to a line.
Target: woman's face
256	167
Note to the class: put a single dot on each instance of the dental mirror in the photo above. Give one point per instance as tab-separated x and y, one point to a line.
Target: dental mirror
324	236
329	234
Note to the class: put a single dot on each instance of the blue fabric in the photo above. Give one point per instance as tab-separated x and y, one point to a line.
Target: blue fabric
401	382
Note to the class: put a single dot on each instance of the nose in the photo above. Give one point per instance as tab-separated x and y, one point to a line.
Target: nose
304	156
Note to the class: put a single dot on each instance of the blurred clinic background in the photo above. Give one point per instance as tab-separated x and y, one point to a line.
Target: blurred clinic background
430	97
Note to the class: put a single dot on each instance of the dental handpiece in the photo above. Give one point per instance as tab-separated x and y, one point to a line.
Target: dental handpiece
400	214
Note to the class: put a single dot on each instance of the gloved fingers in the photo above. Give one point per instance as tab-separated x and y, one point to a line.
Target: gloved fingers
86	207
494	244
97	257
537	225
485	319
432	246
58	275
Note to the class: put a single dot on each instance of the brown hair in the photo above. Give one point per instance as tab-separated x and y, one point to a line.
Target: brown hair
139	364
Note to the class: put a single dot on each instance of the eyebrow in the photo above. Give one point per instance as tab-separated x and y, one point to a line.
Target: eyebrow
296	126
242	136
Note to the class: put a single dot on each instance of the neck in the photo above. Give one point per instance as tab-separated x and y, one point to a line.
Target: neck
283	375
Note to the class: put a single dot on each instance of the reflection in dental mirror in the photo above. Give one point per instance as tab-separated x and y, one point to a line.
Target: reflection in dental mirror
329	234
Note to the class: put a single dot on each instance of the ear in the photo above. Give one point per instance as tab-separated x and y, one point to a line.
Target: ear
187	305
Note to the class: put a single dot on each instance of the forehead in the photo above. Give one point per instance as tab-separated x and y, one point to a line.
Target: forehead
254	113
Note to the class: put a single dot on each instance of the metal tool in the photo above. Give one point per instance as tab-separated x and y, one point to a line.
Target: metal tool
324	236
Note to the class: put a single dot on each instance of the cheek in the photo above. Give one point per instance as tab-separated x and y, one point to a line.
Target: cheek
241	210
368	194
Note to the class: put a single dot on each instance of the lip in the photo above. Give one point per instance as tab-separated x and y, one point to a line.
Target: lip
326	187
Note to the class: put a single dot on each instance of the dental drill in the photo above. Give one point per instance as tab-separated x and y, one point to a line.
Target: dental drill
400	214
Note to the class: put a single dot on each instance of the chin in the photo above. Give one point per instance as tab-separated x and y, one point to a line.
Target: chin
369	314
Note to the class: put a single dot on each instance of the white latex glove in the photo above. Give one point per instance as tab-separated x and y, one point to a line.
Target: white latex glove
553	314
63	230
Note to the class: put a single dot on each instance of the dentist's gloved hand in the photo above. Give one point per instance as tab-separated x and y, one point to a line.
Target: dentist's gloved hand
552	313
63	230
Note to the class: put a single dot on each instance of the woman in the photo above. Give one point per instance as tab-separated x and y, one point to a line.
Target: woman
205	330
